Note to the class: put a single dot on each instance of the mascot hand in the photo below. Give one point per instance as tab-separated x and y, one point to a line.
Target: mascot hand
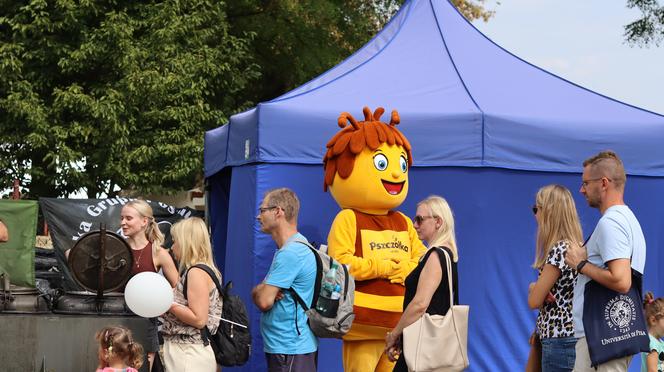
403	268
384	267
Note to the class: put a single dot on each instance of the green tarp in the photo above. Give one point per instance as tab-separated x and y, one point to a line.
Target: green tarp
17	255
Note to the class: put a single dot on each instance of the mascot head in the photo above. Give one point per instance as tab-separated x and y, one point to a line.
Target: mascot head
366	164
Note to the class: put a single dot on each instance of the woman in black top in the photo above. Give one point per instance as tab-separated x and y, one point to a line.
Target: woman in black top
426	286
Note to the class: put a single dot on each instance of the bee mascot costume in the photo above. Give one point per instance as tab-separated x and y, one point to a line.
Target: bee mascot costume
366	171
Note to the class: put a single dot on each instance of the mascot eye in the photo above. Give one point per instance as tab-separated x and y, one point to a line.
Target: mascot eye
380	162
404	164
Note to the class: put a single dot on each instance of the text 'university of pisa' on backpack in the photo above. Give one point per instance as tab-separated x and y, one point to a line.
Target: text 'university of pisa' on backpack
331	311
232	342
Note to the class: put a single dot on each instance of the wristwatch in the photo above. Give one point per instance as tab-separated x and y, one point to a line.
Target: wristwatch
581	265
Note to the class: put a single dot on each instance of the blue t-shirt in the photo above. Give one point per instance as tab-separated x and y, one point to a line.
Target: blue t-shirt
658	346
617	235
293	266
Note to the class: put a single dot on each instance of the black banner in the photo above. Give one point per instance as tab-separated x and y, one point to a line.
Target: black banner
69	219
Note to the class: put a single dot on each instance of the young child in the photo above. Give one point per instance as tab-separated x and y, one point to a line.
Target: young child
118	352
653	361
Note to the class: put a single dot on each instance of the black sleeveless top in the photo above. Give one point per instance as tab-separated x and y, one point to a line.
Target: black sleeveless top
440	302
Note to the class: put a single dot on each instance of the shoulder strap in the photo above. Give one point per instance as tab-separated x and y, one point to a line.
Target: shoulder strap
205	332
212	275
319	277
448	262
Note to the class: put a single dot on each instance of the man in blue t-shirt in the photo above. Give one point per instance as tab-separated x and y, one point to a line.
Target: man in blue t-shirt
616	246
289	344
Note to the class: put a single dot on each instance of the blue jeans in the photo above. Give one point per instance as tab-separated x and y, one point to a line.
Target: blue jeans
558	354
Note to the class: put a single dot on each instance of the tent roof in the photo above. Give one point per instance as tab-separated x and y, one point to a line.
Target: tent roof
463	101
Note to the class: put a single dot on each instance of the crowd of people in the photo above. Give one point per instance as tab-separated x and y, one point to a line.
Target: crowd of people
565	263
613	256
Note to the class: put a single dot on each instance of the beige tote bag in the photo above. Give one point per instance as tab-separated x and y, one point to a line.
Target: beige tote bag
437	342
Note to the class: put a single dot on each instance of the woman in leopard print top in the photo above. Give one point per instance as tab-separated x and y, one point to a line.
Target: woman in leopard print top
558	225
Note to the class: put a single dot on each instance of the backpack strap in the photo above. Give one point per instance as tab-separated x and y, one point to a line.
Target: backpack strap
319	277
212	275
205	332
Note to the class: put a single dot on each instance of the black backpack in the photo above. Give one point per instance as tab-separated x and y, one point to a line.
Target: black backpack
232	342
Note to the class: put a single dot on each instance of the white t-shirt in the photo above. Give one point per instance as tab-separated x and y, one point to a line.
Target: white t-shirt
617	235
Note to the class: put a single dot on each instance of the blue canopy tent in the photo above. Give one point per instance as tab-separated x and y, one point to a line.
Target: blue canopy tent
487	128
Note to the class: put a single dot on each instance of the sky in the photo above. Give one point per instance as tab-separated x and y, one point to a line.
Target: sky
581	41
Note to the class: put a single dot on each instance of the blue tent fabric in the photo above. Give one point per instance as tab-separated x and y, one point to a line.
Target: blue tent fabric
487	128
453	85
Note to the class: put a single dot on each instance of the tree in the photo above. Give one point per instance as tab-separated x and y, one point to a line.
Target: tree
106	94
100	95
649	29
297	40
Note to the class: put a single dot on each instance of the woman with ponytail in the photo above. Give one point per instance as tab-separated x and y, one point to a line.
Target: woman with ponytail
427	286
143	235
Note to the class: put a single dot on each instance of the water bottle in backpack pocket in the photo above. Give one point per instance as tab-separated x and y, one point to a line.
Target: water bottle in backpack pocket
330	293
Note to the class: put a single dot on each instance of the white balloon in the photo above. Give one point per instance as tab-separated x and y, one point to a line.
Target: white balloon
148	294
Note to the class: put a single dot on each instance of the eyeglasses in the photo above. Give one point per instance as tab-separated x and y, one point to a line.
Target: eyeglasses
535	208
585	183
419	219
265	209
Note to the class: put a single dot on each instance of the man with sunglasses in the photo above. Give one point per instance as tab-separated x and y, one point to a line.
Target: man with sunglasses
615	247
288	342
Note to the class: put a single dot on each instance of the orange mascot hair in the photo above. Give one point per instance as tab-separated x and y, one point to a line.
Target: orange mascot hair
351	140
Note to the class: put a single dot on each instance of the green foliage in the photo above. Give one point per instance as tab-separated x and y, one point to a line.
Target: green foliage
649	29
297	40
99	94
107	94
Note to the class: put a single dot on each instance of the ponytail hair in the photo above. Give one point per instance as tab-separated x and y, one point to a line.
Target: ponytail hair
653	307
135	358
118	342
152	232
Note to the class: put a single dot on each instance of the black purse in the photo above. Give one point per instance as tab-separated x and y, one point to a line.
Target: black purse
614	322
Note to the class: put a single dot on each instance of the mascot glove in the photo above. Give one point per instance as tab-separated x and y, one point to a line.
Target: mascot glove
384	267
404	267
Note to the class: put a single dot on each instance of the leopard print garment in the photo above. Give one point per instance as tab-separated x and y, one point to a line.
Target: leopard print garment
555	319
176	331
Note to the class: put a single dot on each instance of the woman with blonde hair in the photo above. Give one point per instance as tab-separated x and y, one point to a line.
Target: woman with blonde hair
145	239
557	226
187	319
427	287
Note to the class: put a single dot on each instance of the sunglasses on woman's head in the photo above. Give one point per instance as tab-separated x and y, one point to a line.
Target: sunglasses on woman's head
535	208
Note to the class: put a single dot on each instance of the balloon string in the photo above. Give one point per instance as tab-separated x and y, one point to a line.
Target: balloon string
218	318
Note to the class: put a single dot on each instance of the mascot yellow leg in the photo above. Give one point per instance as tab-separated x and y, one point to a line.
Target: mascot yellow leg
366	356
